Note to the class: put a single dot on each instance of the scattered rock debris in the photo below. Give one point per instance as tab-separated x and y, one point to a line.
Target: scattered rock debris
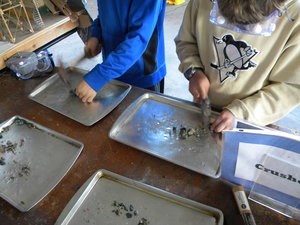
187	132
143	221
25	170
9	147
2	161
21	143
128	211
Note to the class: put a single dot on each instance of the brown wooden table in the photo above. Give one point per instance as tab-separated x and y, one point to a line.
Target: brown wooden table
100	152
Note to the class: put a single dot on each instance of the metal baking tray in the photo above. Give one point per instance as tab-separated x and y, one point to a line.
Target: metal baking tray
33	160
107	198
54	94
147	125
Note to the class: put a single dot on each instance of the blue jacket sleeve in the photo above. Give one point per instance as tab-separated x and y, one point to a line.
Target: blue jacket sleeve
143	18
96	29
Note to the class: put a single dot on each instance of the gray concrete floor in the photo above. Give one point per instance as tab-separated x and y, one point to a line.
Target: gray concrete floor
175	84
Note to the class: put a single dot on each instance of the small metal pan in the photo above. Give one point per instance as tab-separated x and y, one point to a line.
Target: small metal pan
29	168
108	198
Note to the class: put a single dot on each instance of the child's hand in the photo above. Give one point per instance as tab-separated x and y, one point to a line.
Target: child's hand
199	86
225	121
92	47
85	92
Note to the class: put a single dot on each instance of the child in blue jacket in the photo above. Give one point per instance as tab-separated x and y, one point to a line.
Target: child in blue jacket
130	35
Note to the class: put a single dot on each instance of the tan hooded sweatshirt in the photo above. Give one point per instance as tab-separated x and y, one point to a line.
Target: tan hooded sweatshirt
256	77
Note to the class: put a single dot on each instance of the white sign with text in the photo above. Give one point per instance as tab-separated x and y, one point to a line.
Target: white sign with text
280	172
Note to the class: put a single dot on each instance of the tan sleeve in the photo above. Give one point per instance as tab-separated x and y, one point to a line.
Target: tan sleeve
268	105
186	42
282	94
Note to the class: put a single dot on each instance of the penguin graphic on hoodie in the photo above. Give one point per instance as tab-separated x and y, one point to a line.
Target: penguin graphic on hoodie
233	56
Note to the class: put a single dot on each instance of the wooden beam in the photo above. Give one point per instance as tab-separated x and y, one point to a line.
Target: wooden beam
38	39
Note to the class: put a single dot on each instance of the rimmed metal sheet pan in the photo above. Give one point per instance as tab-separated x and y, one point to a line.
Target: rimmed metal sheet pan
148	123
54	94
33	159
108	198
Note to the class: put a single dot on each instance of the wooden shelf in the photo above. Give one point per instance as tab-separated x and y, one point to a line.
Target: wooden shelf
55	26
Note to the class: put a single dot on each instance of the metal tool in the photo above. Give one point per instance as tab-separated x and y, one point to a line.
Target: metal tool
206	112
85	55
79	60
62	73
